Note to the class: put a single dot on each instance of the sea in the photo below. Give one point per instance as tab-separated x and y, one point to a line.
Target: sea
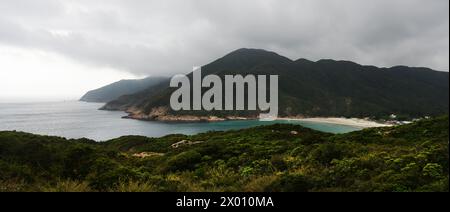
75	119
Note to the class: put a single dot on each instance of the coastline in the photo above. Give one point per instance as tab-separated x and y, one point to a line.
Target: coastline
164	117
162	114
355	122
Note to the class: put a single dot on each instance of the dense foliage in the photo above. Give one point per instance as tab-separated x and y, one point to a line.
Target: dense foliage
322	88
411	157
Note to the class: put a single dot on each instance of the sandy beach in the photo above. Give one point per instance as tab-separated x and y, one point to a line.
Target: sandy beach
362	123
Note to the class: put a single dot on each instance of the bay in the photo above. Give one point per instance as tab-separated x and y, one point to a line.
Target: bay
74	119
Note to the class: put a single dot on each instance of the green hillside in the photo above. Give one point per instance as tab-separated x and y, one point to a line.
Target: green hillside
117	89
412	157
322	88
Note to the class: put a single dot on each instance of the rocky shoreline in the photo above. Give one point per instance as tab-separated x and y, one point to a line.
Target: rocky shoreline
161	114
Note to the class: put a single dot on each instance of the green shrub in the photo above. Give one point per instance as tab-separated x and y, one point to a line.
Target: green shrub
184	161
290	183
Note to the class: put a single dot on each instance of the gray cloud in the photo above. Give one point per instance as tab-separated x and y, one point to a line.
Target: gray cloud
170	36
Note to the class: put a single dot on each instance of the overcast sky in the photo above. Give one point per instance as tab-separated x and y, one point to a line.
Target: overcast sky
53	49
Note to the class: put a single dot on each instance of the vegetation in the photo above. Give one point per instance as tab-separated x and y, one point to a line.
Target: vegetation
123	87
412	157
322	88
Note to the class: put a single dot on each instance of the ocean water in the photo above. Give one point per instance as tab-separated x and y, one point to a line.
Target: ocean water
73	119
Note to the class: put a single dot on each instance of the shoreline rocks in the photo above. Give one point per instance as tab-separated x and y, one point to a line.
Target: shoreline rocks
162	114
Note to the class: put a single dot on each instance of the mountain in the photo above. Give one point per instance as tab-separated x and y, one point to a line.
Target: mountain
115	90
284	158
307	88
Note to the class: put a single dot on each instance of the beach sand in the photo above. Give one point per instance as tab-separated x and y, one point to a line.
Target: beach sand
362	123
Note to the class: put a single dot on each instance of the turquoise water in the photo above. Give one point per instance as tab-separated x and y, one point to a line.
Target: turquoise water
74	119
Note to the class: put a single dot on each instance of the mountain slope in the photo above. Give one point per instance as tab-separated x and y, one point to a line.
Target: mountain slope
322	88
115	90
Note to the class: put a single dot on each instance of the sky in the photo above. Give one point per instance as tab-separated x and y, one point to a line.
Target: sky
59	49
